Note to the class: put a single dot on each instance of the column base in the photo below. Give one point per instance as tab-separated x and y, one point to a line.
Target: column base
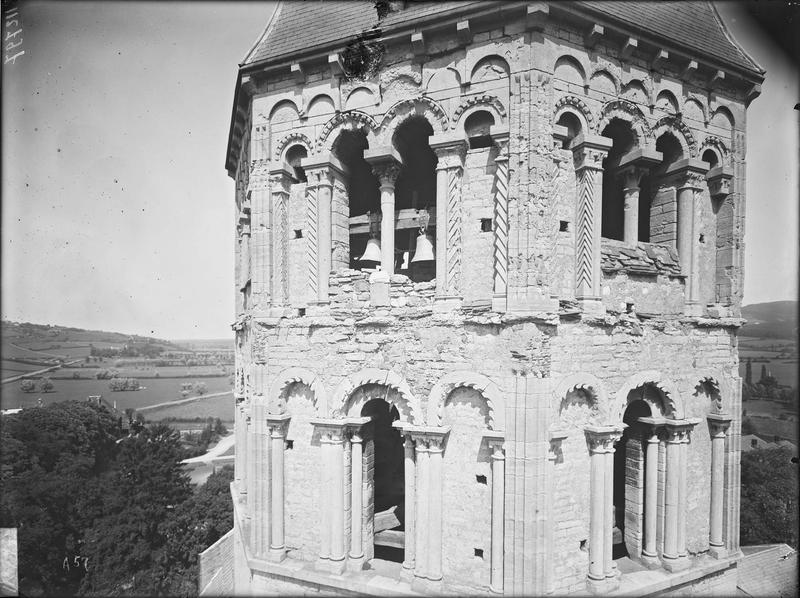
356	563
407	574
676	564
337	567
446	303
426	586
693	309
651	561
495	590
591	305
596	586
718	552
276	555
500	303
323	564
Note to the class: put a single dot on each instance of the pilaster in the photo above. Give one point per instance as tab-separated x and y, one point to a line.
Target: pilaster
280	178
500	229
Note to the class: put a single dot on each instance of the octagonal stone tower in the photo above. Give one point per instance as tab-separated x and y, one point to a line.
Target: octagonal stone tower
489	273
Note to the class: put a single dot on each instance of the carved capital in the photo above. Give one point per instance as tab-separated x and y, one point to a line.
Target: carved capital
718	424
589	151
601	439
278	424
691	173
386	172
450	150
719	182
678	430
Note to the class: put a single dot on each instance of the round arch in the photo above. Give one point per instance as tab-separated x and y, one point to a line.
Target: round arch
627	112
716	144
351	120
574	105
717	388
437	399
293	138
672	397
423	106
676	126
300	375
486	102
409	406
584	381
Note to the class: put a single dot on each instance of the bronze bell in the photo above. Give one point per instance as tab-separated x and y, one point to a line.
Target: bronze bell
373	251
424	251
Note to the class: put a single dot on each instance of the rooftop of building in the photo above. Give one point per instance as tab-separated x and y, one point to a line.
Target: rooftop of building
694	29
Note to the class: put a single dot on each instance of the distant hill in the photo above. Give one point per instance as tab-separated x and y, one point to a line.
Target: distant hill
25	336
775	319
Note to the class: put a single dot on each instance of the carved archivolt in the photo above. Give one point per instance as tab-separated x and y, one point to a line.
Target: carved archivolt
303	376
630	113
488	389
481	100
422	105
714	387
409	408
563	104
715	143
676	126
591	385
673	404
352	119
291	139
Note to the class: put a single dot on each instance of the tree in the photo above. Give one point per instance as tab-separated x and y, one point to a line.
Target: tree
46	385
769	497
763	372
128	542
748	371
27	385
201	388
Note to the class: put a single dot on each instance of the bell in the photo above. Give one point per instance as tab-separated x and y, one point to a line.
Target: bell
424	251
373	251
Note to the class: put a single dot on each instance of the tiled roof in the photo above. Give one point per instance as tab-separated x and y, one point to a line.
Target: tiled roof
690	25
771	571
301	26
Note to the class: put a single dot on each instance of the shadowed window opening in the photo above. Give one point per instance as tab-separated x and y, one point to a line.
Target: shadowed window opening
388	481
293	157
613	213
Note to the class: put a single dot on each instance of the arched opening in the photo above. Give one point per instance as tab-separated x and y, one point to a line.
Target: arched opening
415	192
573	126
613	218
293	157
477	128
362	191
657	201
387	480
710	156
629	480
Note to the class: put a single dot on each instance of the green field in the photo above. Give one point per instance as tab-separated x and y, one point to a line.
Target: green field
221	407
156	391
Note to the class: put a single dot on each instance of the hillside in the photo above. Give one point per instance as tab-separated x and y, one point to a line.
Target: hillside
775	319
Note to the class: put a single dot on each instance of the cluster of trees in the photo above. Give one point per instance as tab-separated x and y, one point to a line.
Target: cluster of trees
102	513
212	431
120	384
134	349
769	503
28	385
106	374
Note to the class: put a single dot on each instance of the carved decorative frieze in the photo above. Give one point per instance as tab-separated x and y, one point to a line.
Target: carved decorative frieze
479	100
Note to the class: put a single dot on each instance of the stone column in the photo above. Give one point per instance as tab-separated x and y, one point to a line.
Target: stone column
601	439
258	496
278	425
357	431
338	550
498	520
244	255
632	167
718	425
325	504
588	153
691	173
280	180
321	175
423	518
450	151
435	449
500	253
410	500
675	558
240	448
649	550
386	164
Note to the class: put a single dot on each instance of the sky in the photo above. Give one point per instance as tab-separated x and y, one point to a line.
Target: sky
117	211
